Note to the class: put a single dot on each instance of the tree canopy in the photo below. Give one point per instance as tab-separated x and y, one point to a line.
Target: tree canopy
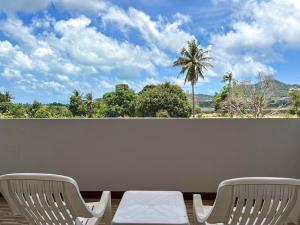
194	61
121	102
165	99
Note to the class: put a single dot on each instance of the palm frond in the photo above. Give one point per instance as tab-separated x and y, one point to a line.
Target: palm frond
193	61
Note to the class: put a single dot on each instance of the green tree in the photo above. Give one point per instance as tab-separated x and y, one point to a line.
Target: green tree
100	108
17	111
121	102
295	95
59	111
42	112
220	97
148	87
33	108
5	100
165	97
5	97
76	105
228	78
193	62
89	105
162	114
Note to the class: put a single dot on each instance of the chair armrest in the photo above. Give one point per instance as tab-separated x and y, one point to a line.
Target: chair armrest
199	213
103	206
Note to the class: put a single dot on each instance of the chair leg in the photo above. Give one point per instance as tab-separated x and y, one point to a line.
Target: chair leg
107	217
196	222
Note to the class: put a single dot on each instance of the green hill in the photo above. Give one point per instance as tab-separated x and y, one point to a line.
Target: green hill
280	95
281	89
204	101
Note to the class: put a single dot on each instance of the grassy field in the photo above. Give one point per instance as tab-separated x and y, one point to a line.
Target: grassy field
210	113
218	115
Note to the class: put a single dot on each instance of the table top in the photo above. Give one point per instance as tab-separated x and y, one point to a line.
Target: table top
151	207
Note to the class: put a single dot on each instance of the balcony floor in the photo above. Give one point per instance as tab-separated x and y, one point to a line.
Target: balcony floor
6	217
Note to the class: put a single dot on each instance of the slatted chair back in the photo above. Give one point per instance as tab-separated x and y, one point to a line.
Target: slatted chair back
249	201
44	199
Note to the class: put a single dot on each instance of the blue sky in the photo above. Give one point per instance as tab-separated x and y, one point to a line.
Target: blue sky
48	48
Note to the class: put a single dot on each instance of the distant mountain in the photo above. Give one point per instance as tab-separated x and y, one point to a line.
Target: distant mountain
204	101
280	95
281	89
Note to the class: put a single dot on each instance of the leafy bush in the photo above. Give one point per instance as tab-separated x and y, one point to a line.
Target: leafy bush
17	111
33	108
292	111
164	97
162	114
121	102
42	112
56	111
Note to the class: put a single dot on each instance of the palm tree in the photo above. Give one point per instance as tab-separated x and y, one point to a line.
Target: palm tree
5	97
89	104
228	77
8	96
193	61
76	104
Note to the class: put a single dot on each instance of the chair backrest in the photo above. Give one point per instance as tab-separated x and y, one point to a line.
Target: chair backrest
267	201
44	198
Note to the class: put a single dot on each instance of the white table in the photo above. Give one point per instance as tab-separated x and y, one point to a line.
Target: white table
151	208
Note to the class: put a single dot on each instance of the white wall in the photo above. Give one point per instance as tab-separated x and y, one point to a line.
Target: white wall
175	154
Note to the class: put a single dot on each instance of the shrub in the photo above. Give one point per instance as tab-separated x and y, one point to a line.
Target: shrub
162	114
121	102
292	111
164	97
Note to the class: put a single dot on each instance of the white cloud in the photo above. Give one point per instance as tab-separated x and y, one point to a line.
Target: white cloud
31	6
52	85
94	51
106	84
7	51
11	74
261	24
43	52
22	61
159	33
244	36
77	52
74	24
14	29
13	57
87	5
62	77
69	52
10	6
258	27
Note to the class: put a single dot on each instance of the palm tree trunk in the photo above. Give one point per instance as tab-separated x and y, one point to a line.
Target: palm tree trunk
193	96
230	99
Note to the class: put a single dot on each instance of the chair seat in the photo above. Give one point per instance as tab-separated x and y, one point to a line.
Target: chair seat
93	206
259	200
52	199
207	209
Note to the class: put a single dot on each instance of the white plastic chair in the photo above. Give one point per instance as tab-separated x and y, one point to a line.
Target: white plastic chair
46	199
267	201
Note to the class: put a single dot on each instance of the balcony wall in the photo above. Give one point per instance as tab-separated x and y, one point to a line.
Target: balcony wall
174	154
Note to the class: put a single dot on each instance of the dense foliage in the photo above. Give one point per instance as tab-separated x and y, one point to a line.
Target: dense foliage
220	97
164	100
295	95
121	102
